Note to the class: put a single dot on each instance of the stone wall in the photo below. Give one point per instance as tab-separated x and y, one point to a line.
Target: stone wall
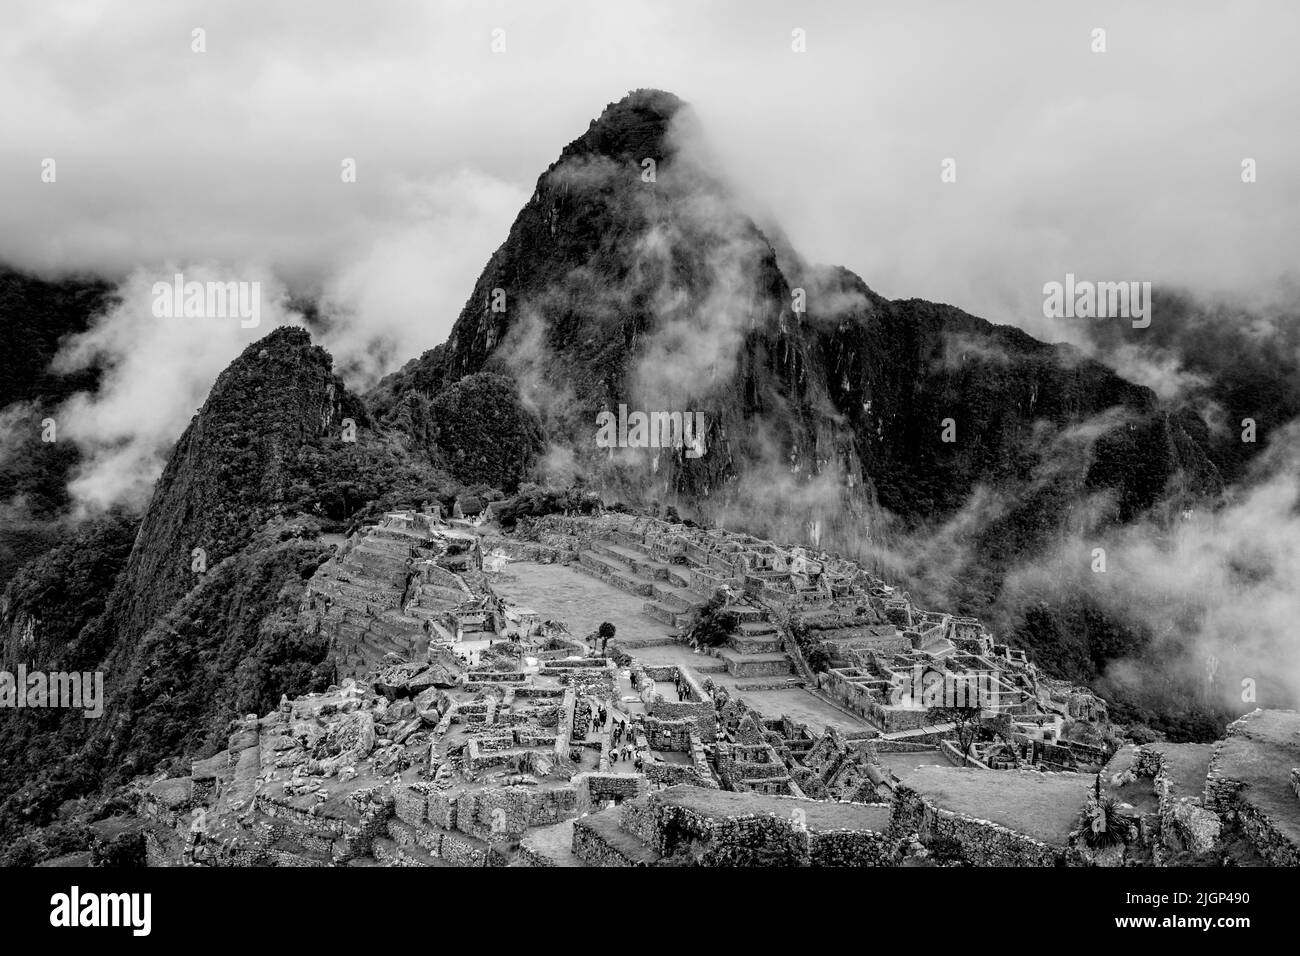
506	813
851	848
671	774
1271	843
597	789
553	549
669	735
701	714
743	667
590	846
981	842
881	746
756	839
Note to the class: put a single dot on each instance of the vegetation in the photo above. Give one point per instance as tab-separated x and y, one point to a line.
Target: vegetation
238	623
35	316
483	433
536	501
347	482
815	653
1077	638
1104	827
712	623
68	587
967	720
57	839
228	648
818	658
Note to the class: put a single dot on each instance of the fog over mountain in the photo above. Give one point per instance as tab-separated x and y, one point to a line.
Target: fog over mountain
1080	169
836	260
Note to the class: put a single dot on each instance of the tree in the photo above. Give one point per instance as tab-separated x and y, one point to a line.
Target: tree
606	633
484	433
819	659
713	623
966	719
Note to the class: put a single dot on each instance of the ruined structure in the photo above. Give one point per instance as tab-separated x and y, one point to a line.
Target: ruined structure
467	729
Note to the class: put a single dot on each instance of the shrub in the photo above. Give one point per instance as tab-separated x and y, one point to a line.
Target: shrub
713	623
1104	827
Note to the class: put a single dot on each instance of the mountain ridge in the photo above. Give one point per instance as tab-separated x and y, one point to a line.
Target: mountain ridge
598	263
825	413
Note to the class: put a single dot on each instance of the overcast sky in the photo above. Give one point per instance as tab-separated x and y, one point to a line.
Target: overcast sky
1117	165
1123	162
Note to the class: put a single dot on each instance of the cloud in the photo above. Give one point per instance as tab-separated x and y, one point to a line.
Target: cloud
1124	164
960	348
401	295
1164	374
156	375
1215	589
1119	166
389	303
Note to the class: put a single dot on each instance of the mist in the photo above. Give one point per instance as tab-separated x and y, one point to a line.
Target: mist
230	163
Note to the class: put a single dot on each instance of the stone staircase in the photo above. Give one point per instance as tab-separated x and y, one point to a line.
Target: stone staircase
673	594
628	567
754	648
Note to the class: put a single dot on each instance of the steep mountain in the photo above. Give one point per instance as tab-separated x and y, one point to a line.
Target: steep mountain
230	471
189	623
635	276
945	449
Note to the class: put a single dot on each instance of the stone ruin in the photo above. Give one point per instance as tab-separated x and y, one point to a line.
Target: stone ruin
531	751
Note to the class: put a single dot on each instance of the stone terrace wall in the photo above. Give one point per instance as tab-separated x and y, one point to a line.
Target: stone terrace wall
548	551
458	826
755	839
1272	845
983	843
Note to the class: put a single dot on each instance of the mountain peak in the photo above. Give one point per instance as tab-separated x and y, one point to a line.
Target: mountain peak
635	126
649	100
